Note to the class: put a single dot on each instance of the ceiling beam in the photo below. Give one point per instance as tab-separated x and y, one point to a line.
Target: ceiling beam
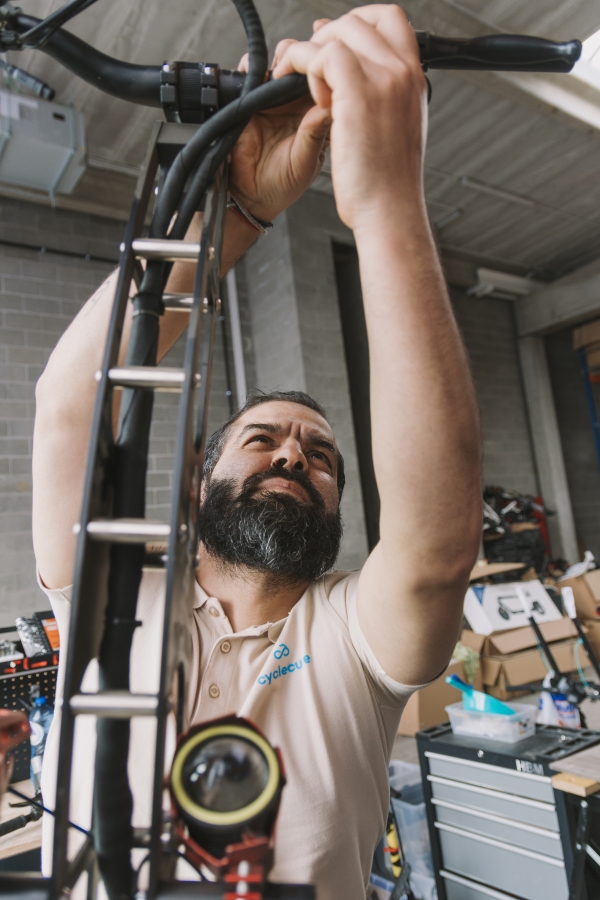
564	303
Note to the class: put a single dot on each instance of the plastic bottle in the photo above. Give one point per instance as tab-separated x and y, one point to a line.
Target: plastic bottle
40	719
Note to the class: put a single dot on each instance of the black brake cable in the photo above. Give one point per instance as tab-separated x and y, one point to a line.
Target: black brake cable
33	802
46	28
113	802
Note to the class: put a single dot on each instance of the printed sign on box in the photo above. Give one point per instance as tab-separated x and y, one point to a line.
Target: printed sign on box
497	607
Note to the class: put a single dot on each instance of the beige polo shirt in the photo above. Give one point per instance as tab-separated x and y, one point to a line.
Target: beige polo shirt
310	682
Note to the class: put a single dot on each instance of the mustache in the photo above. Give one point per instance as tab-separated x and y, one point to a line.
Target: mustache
298	476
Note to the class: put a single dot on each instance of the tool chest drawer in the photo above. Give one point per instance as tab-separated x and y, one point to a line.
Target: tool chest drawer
528	837
458	888
528	875
508	806
535	787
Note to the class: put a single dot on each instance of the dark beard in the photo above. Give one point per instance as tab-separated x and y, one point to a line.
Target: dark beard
272	533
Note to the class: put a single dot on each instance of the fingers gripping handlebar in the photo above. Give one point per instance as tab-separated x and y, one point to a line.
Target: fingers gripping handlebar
198	90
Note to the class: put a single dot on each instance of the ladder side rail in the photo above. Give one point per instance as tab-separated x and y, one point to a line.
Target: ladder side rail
187	477
92	558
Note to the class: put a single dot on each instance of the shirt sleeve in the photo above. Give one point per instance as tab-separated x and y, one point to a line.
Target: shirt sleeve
388	692
60	601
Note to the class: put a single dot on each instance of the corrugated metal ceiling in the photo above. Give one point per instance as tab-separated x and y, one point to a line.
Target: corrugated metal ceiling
477	129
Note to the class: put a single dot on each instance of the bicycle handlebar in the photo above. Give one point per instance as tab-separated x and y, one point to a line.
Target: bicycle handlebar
498	53
142	84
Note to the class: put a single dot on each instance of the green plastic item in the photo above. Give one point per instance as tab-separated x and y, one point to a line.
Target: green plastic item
477	700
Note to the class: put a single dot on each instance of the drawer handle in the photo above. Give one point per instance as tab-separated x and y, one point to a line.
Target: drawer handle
486	840
511	823
482	888
456	760
490	792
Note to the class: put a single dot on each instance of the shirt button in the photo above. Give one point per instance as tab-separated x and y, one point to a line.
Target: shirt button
214	691
225	647
213	610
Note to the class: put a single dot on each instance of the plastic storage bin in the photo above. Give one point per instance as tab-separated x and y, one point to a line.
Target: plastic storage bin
412	822
402	774
508	729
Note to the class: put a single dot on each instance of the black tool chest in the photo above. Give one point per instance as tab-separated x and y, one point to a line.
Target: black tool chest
498	829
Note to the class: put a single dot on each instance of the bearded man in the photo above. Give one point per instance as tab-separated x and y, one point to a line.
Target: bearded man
322	661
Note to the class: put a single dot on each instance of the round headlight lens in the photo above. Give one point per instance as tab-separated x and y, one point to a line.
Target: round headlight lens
225	774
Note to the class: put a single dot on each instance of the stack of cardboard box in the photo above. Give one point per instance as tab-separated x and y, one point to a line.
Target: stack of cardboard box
510	658
500	633
507	643
586	589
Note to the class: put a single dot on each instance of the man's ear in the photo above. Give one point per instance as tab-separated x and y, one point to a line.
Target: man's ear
203	489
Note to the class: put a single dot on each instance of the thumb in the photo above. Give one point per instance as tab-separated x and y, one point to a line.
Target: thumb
310	142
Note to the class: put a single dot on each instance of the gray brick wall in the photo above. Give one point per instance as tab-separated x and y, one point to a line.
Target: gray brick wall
40	293
297	335
487	326
576	436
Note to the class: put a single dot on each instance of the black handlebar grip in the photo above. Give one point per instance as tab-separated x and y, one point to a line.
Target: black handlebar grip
498	53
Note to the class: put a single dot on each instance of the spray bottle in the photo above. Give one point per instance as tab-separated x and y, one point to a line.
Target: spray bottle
40	719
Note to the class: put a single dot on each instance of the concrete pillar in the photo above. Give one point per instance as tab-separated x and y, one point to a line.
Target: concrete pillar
547	446
297	333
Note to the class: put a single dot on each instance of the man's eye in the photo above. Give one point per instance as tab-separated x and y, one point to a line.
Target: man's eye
322	456
261	438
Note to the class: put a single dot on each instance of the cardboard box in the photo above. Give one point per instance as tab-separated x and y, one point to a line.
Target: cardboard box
502	666
502	643
496	607
592	630
520	668
427	707
586	589
586	334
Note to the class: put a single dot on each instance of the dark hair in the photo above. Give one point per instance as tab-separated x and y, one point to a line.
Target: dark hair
216	442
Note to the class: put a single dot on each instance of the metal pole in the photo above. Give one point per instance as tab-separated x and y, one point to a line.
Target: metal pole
237	345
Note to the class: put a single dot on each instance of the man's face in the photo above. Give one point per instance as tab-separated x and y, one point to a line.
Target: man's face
285	435
272	501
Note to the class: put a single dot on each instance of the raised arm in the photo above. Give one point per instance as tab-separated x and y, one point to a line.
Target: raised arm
426	448
276	158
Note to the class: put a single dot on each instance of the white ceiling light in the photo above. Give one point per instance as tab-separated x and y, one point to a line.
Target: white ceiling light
501	285
588	66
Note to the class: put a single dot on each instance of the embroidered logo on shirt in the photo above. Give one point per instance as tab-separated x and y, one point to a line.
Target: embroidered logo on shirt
280	671
282	650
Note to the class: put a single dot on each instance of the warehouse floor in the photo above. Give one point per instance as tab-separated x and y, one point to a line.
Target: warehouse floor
406	747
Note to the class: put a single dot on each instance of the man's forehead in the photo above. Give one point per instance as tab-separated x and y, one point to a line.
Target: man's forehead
285	414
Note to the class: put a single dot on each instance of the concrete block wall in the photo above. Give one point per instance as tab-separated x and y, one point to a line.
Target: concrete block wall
40	293
39	296
297	336
583	474
488	330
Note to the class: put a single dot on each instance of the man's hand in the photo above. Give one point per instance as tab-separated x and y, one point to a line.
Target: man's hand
364	72
279	153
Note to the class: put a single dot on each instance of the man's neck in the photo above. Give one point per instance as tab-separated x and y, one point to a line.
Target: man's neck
248	597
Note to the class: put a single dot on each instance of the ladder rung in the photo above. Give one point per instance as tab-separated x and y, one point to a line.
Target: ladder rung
178	302
129	531
158	378
114	704
169	251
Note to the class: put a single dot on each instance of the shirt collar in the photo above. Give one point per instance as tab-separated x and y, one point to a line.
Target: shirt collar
272	629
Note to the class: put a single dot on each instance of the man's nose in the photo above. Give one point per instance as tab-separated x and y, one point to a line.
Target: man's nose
290	456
